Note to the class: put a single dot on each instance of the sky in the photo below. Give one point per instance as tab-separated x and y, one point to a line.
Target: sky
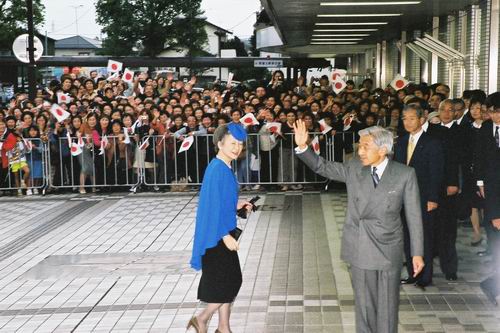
234	15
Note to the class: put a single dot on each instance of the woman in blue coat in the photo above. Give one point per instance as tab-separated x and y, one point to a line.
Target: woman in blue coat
214	248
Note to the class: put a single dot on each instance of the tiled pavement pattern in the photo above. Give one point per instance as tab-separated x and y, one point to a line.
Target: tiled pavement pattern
119	264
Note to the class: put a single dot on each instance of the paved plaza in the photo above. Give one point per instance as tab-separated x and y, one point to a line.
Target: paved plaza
119	263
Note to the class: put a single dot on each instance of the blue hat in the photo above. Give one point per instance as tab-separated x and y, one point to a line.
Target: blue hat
237	131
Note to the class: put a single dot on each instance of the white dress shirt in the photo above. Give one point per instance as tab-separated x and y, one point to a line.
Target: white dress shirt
449	124
459	120
425	126
481	182
416	136
380	168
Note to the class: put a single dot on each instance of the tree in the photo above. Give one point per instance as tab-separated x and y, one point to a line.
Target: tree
13	20
237	45
148	27
191	34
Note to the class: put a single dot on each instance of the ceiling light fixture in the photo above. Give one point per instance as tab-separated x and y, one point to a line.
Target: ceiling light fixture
380	3
360	15
333	43
342	30
352	23
337	35
334	39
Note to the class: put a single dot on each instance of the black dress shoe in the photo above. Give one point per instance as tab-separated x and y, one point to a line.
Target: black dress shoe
491	297
421	285
476	243
409	280
451	277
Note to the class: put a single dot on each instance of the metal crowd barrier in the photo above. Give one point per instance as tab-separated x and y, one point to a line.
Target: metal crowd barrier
93	167
155	161
258	164
28	167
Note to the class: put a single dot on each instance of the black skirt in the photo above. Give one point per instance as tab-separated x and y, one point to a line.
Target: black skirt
221	275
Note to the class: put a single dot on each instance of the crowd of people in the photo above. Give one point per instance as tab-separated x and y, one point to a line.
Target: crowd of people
120	128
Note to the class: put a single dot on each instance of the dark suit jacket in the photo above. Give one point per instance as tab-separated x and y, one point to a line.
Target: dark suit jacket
487	169
373	231
451	159
428	162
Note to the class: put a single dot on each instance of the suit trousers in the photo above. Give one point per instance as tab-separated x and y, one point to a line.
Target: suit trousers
425	277
492	283
446	236
376	297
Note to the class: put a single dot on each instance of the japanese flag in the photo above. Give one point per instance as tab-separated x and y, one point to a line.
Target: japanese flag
274	127
80	142
68	137
63	98
229	79
28	145
144	145
127	136
338	74
186	144
399	82
324	127
104	143
114	66
348	121
59	113
338	85
315	145
128	76
249	120
138	123
75	148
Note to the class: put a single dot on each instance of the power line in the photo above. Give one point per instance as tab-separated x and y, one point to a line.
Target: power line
246	18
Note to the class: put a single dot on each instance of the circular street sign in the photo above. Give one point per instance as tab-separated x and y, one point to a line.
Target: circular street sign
20	48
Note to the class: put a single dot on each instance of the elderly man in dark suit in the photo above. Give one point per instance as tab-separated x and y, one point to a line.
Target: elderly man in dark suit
372	240
425	154
487	167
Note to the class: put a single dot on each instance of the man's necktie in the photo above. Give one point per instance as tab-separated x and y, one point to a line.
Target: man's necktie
497	136
411	148
375	177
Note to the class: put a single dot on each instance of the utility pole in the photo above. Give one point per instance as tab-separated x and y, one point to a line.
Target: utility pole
76	16
219	35
31	52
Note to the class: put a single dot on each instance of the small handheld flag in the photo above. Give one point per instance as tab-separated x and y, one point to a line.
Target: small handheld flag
186	144
59	113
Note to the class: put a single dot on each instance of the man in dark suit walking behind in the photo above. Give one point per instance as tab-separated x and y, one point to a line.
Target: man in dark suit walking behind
425	154
372	240
487	168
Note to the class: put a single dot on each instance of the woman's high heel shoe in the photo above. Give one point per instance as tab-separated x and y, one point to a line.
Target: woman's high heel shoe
193	323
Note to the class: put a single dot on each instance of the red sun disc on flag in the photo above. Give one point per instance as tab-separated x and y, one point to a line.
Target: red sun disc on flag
73	149
128	76
63	97
114	67
185	144
338	85
400	84
273	129
248	120
316	146
335	76
59	112
321	128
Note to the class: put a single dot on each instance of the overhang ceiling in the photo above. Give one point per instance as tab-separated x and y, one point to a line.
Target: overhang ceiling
296	20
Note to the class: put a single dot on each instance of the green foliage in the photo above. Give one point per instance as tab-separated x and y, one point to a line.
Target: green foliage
237	45
14	21
147	27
